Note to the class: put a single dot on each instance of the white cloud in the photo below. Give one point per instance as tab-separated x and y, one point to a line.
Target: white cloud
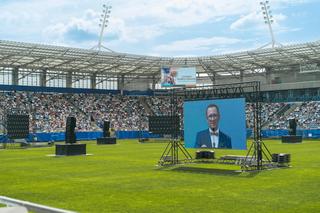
196	44
119	27
131	21
137	22
178	13
254	21
88	23
230	50
133	33
252	18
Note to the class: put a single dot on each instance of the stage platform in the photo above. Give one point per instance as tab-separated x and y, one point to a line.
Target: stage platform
235	160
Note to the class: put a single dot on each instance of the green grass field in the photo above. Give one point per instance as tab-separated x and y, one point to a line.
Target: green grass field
125	178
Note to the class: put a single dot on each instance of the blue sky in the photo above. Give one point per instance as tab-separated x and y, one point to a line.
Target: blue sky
160	28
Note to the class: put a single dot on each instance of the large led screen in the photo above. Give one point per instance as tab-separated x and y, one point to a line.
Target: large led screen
215	124
178	76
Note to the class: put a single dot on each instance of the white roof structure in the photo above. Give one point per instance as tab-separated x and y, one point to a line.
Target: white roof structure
56	58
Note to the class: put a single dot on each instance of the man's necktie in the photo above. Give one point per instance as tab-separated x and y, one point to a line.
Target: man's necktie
215	133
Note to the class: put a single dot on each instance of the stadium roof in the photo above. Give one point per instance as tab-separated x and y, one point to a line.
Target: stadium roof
57	58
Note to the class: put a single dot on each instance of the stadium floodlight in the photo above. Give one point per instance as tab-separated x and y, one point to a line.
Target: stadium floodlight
104	20
268	19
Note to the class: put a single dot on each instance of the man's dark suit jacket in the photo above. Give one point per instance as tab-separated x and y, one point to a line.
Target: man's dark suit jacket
203	140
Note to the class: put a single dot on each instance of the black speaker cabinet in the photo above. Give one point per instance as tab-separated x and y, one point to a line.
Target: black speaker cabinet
281	158
291	139
106	127
17	126
204	154
71	149
292	127
164	124
106	140
70	136
71	122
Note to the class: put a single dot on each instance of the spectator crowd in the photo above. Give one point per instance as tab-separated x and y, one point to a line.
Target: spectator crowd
48	111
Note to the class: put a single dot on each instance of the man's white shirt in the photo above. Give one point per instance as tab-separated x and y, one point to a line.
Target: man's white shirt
214	138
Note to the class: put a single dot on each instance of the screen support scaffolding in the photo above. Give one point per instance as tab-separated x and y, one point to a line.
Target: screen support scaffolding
170	156
258	156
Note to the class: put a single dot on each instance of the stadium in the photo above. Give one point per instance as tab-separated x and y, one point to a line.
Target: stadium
97	130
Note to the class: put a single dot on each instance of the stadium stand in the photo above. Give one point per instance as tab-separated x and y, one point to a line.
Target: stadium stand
48	111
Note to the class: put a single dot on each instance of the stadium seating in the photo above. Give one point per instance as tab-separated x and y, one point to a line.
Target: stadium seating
48	111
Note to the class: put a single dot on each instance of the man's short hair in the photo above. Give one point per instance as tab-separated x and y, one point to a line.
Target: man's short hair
213	105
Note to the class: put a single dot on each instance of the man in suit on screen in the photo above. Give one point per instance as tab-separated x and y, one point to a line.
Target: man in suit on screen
213	137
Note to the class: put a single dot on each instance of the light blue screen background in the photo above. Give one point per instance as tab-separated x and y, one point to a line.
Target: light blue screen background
186	76
232	120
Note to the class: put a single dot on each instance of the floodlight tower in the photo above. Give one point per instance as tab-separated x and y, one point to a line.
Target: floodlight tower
268	19
104	20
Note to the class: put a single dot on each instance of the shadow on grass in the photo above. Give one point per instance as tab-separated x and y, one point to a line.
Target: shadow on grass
214	171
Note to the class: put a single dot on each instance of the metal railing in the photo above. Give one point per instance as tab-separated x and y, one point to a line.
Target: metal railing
34	207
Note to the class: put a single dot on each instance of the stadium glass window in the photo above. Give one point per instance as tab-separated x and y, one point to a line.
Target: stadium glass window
56	79
5	75
57	82
105	82
29	77
81	81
